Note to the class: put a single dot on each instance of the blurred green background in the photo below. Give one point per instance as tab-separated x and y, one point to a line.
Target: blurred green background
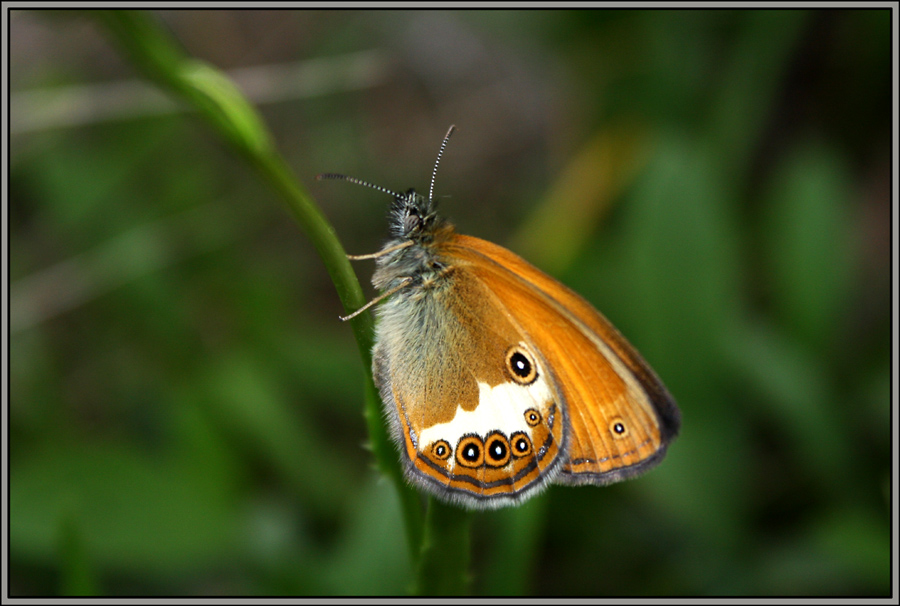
185	411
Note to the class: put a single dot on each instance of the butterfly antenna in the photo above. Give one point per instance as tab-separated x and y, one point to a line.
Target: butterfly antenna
440	153
355	180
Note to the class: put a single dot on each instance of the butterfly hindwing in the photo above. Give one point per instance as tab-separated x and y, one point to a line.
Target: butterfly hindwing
473	408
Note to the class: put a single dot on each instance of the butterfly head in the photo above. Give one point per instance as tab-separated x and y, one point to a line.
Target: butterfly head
414	217
412	256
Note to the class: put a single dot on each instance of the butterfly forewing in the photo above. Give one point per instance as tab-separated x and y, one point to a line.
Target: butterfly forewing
620	416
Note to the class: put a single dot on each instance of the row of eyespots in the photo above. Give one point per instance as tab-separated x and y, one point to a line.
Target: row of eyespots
494	451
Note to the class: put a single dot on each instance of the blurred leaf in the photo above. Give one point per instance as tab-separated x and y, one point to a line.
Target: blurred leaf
371	558
320	363
845	552
558	228
876	407
78	575
791	382
809	254
758	63
241	395
860	539
77	182
135	513
119	260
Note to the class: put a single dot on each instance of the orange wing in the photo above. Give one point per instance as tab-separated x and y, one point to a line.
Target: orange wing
620	416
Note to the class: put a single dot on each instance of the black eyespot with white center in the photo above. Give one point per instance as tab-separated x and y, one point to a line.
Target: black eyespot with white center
532	417
470	451
496	450
520	444
520	365
617	428
441	450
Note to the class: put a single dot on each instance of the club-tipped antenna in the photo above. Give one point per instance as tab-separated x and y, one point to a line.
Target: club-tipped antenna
440	153
339	177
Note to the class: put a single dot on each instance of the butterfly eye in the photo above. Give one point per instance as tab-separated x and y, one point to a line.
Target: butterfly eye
521	445
618	428
441	450
470	451
496	450
520	365
532	417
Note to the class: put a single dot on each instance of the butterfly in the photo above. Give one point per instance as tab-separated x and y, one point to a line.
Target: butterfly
496	379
